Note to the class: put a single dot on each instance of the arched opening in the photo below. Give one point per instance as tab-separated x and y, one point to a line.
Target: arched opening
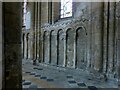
27	42
81	48
53	51
60	47
23	45
70	47
45	47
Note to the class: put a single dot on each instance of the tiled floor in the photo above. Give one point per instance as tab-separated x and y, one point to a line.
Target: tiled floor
42	76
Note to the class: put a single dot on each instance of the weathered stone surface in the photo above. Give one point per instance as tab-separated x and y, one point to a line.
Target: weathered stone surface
53	48
46	47
81	48
12	45
94	47
70	47
60	47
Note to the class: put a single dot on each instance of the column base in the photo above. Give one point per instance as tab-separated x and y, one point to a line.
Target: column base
34	62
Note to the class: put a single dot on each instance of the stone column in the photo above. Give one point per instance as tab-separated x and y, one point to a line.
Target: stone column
23	48
105	38
25	45
30	8
42	48
48	47
56	38
89	38
55	11
37	31
30	46
111	36
27	38
44	13
64	64
118	41
98	36
56	49
35	34
92	35
74	62
38	34
12	44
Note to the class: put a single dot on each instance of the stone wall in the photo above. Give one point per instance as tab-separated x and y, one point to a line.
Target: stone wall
89	40
63	42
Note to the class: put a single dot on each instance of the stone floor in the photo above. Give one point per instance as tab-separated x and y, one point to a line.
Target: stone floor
42	76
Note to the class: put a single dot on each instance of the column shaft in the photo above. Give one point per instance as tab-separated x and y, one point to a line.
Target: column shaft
64	64
98	37
12	44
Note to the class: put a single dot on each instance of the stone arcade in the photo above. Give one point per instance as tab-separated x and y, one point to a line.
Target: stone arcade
87	41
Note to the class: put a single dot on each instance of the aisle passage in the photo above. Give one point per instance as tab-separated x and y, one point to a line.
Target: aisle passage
42	76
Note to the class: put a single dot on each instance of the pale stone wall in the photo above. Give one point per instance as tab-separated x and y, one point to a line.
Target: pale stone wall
62	46
89	40
44	13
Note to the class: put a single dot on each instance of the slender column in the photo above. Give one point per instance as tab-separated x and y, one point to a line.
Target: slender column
39	26
111	36
98	37
64	63
105	37
49	47
74	62
42	47
23	48
31	8
56	41
29	45
38	31
92	35
35	44
25	45
89	39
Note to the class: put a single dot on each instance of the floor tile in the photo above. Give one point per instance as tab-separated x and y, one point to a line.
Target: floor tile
92	88
81	84
27	72
32	73
43	78
33	86
72	82
64	78
35	68
27	83
39	69
50	80
37	75
69	76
